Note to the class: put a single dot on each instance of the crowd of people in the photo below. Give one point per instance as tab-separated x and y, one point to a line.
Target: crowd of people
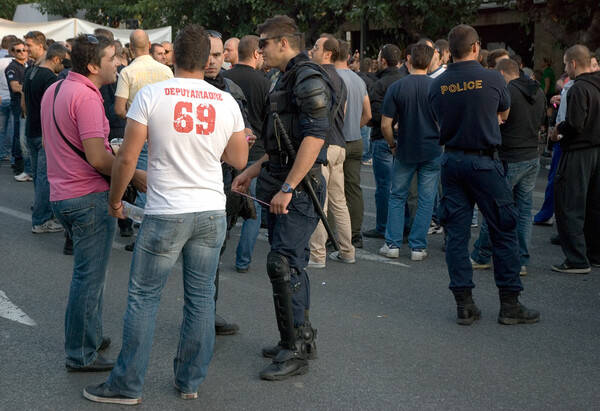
199	132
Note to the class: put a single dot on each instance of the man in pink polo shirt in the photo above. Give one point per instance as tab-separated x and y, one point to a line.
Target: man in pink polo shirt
75	135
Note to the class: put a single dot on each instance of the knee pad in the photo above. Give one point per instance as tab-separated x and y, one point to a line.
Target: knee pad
278	268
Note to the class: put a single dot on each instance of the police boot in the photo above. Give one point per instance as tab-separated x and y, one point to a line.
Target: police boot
289	361
306	333
513	312
466	310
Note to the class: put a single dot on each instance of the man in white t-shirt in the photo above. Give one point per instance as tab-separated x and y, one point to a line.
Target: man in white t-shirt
190	126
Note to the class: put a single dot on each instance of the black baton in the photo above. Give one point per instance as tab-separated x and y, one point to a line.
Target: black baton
306	183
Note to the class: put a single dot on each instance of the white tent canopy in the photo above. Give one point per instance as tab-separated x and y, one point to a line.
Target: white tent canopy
60	30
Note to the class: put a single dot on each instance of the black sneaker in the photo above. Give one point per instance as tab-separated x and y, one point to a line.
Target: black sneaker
68	247
357	241
373	234
101	393
127	232
286	364
555	240
512	314
100	364
130	247
222	327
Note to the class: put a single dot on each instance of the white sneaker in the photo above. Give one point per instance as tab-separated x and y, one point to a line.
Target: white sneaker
335	256
418	254
435	229
23	177
390	251
523	271
314	264
50	226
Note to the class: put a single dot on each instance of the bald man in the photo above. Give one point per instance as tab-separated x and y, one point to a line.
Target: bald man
230	52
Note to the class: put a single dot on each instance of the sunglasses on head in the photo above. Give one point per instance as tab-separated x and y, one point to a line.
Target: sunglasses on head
92	39
263	42
214	33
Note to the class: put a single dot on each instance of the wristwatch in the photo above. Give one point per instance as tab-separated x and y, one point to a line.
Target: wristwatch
394	146
286	188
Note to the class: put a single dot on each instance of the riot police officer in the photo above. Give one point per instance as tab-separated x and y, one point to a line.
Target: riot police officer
302	98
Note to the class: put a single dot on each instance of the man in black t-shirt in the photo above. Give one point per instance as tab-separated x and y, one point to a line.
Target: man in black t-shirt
14	78
468	102
35	82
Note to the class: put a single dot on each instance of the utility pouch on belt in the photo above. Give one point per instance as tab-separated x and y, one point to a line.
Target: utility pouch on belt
267	186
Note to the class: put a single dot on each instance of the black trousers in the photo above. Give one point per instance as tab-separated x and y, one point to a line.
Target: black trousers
577	206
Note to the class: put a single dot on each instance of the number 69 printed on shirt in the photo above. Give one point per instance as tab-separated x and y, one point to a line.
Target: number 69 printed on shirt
183	120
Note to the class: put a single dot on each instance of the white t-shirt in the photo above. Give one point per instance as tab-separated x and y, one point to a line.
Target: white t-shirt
189	125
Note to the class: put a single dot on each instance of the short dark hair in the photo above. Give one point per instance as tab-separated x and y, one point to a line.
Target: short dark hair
247	46
56	50
344	50
421	56
330	44
483	55
280	26
365	65
460	40
508	66
100	31
88	49
494	55
191	48
517	58
425	40
441	45
392	54
38	37
8	40
16	42
408	50
579	53
153	46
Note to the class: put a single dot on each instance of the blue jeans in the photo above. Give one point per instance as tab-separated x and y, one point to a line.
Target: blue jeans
468	179
198	237
6	129
42	211
365	133
547	210
142	164
92	229
428	173
382	170
521	176
250	229
19	146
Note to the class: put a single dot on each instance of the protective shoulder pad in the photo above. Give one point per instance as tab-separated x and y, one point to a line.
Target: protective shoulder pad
312	93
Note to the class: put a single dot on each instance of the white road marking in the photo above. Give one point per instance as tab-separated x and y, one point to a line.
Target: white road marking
14	213
12	312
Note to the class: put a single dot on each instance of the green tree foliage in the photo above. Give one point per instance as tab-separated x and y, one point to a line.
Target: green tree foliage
415	18
8	7
569	21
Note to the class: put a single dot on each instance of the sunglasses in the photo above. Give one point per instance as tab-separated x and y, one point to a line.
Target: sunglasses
263	42
20	50
92	39
214	33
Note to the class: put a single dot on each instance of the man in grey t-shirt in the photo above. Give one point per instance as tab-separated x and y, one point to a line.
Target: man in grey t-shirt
358	113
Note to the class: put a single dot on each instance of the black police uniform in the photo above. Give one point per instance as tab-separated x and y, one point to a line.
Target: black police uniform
303	98
466	100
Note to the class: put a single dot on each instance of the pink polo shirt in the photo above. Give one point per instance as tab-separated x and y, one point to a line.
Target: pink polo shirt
80	115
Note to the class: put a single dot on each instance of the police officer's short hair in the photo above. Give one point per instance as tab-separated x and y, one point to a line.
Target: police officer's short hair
330	44
421	56
392	54
56	50
508	66
579	53
88	49
344	50
248	45
191	48
460	40
283	26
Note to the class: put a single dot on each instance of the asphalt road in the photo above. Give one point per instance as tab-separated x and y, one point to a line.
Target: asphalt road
387	335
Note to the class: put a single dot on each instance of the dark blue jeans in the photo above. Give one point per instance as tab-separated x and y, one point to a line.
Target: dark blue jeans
42	211
92	229
466	180
288	235
382	170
